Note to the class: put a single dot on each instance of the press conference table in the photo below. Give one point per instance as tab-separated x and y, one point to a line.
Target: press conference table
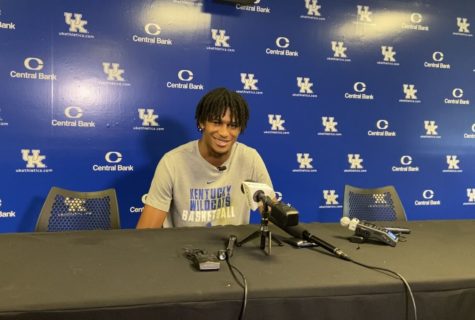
143	274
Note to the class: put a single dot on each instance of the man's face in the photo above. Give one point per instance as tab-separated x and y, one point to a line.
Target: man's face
219	135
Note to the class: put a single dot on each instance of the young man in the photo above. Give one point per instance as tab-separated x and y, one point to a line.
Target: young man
199	183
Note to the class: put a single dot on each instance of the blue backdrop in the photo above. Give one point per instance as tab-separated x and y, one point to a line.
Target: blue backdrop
368	93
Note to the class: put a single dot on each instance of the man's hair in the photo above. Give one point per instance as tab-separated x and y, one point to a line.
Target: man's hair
214	104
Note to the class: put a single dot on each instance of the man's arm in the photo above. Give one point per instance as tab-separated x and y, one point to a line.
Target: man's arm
151	218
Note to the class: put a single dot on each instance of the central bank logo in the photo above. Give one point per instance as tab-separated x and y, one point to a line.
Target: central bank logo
457	98
149	120
470	135
463	27
415	22
452	164
430	127
249	83
410	94
3	123
312	10
73	115
33	65
405	165
305	163
304	87
34	162
470	197
382	129
76	26
152	31
6	214
389	55
329	126
282	48
355	162
221	41
364	14
113	163
359	92
339	52
255	7
6	25
185	76
437	61
428	199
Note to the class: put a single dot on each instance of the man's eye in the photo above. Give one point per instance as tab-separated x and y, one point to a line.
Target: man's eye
233	125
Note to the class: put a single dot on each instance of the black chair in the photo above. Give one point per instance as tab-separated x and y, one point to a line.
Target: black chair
377	204
66	210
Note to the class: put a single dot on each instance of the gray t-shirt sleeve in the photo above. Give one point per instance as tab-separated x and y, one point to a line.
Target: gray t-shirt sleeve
160	194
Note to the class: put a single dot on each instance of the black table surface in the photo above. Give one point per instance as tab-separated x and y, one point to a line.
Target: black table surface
143	274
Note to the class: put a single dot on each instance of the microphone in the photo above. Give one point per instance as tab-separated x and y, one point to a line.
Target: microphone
230	247
281	212
222	168
300	233
368	231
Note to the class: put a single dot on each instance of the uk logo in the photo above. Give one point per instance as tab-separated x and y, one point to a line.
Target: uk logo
431	127
313	8
113	72
33	158
305	85
330	197
471	195
304	161
276	122
220	38
148	117
452	164
247	79
388	54
329	125
76	24
339	49
410	95
355	161
75	205
364	14
379	198
463	27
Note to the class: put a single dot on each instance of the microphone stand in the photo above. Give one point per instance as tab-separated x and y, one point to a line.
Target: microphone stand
264	233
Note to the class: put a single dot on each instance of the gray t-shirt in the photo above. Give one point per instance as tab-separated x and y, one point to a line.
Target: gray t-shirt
196	193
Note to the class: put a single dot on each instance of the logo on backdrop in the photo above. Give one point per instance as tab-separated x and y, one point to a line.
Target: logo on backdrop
3	123
221	41
453	164
359	92
33	67
312	10
436	63
151	36
339	52
276	123
382	129
405	165
185	78
149	120
331	200
470	135
113	163
389	56
72	118
428	199
329	125
6	25
355	162
463	28
254	8
6	214
415	23
457	95
364	15
305	163
34	162
282	48
249	82
430	127
114	74
470	197
76	26
410	94
304	86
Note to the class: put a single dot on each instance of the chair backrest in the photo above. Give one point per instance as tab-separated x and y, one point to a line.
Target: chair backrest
373	204
65	210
